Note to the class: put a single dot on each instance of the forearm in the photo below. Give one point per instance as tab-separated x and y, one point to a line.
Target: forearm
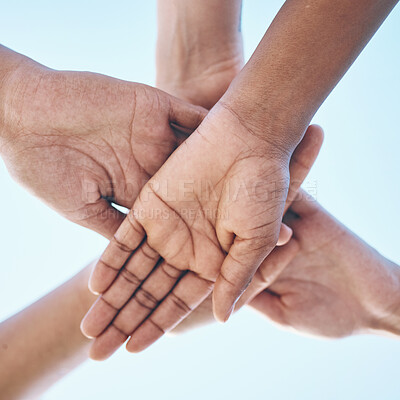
304	53
196	40
43	342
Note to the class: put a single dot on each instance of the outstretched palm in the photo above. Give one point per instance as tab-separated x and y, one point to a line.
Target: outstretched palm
207	200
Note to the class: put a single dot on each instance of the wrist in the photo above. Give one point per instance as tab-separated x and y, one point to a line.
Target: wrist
385	311
21	74
272	134
197	74
199	48
274	111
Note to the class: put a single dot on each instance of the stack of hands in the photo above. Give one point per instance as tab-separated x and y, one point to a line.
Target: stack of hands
212	178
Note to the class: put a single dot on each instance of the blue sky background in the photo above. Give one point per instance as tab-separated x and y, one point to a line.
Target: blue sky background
356	176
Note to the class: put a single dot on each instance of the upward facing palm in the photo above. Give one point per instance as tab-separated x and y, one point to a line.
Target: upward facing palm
208	199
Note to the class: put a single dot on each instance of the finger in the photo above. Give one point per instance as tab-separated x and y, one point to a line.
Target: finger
201	316
303	159
107	306
190	292
139	307
270	306
186	115
148	297
284	235
304	204
127	238
269	271
237	270
107	343
102	218
234	272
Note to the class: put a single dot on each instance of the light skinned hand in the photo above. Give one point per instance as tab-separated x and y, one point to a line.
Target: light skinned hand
161	283
329	282
81	141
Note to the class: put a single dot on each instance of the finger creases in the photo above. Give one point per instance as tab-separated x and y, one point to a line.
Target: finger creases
127	238
190	291
236	273
127	282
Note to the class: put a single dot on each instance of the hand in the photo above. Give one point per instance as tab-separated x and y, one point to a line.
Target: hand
332	285
196	284
82	141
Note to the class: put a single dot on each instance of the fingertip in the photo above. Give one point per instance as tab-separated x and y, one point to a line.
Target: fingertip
316	134
143	338
92	288
101	278
221	310
107	344
133	348
96	355
83	329
285	235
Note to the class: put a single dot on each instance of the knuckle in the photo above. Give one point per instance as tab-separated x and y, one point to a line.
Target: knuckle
156	325
146	299
122	246
134	224
105	264
130	277
120	329
179	304
149	252
108	303
170	271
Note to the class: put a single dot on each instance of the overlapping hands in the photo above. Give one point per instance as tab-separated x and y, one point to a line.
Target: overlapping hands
190	233
206	222
202	224
326	281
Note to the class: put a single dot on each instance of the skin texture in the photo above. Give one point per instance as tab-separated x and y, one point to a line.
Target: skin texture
52	325
81	141
335	286
262	116
328	282
131	320
332	285
199	48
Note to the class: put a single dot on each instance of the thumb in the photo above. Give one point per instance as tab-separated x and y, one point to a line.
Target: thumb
185	117
238	268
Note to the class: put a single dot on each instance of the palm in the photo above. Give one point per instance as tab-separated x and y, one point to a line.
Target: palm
86	140
210	199
219	198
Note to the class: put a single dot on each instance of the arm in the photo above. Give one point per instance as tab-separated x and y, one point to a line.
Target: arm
304	53
247	141
199	48
43	342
